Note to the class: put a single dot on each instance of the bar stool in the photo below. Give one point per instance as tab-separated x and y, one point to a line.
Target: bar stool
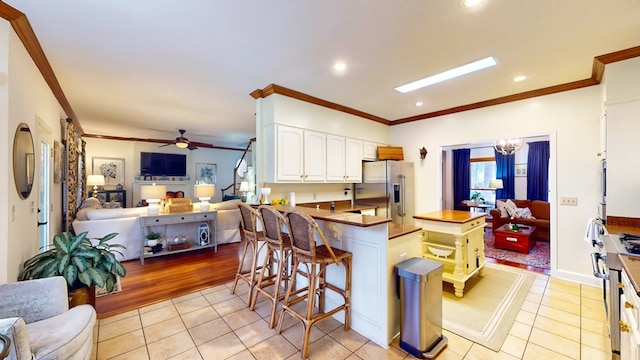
315	259
277	259
252	237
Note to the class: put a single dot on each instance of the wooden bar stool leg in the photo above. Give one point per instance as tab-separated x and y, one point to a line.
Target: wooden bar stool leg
347	294
266	263
292	284
239	271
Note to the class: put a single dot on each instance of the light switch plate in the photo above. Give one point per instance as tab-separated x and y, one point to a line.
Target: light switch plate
570	201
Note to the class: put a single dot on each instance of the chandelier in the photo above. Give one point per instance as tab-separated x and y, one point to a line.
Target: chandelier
508	147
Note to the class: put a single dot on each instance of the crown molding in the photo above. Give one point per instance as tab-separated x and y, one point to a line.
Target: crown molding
25	33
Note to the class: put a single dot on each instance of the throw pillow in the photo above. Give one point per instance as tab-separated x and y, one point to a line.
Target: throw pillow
523	213
511	207
502	206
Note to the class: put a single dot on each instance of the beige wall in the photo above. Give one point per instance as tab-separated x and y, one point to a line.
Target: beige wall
25	97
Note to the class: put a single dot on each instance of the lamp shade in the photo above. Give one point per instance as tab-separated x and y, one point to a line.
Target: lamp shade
204	190
154	191
244	186
496	184
95	180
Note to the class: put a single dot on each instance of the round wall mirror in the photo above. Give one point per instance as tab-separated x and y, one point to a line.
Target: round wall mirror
23	160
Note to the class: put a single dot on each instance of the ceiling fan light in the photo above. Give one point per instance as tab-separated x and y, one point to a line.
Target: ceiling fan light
182	145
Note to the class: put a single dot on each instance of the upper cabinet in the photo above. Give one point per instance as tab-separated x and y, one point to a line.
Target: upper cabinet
299	155
344	159
370	151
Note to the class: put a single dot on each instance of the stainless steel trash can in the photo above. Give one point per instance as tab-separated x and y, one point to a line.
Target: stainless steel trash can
420	292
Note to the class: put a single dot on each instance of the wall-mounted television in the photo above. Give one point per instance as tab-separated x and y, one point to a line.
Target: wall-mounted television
160	164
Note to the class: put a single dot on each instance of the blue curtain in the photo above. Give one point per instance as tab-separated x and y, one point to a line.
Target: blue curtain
461	177
538	171
505	170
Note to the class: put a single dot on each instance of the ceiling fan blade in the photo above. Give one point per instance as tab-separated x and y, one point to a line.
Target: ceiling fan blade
192	147
166	144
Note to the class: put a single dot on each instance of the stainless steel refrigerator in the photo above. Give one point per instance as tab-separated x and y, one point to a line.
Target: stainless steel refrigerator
388	185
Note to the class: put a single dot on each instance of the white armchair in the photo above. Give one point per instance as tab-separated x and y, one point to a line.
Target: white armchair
35	316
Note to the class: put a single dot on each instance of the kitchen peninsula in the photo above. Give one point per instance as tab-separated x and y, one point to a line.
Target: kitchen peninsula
377	246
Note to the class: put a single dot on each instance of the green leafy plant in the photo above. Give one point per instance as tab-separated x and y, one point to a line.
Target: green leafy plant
79	261
153	236
477	196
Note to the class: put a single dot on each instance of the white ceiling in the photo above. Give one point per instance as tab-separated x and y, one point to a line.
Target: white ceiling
147	68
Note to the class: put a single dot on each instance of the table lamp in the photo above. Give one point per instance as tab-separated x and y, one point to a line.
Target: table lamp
204	192
95	180
153	194
495	184
244	187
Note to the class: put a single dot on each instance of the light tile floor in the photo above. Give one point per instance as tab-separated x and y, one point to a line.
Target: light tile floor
559	320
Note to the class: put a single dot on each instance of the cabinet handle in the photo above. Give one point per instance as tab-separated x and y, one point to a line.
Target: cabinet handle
623	326
205	215
628	305
620	285
301	176
157	220
182	218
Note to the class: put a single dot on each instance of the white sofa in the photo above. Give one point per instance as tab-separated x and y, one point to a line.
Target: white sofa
98	222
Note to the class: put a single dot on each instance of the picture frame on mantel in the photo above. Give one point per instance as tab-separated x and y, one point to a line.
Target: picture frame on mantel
520	170
111	168
206	173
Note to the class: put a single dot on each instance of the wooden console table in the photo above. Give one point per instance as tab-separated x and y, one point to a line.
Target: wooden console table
456	239
210	217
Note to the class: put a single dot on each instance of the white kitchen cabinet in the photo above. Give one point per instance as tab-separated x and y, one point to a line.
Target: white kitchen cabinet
370	150
344	159
629	330
300	155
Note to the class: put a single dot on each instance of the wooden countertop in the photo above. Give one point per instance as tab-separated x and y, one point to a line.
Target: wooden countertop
397	230
343	216
631	265
454	216
619	229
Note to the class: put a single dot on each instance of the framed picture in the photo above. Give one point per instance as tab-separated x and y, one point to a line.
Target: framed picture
111	168
205	173
521	170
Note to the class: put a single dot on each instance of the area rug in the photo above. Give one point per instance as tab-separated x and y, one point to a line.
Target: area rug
537	257
489	306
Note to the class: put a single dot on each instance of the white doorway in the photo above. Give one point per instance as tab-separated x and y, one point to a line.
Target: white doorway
44	188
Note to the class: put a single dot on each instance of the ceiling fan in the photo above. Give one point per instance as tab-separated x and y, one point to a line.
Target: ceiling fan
182	142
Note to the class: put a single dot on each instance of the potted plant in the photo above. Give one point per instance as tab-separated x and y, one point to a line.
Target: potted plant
152	238
83	264
477	197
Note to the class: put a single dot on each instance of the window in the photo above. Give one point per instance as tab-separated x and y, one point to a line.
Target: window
483	170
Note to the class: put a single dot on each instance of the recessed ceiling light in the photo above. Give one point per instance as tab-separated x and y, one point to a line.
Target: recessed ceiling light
449	74
419	103
340	66
470	3
519	78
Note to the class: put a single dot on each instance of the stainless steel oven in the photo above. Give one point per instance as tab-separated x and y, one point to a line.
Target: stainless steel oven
608	267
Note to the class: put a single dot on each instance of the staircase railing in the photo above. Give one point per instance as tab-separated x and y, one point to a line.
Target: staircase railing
234	184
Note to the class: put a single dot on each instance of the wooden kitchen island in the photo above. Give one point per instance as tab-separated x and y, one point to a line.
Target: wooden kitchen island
455	239
377	246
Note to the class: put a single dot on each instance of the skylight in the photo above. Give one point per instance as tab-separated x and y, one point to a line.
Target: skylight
449	74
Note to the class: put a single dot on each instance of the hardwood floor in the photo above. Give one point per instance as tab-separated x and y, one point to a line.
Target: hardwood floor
170	276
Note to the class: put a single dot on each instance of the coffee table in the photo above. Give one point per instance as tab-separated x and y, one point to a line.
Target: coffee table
519	240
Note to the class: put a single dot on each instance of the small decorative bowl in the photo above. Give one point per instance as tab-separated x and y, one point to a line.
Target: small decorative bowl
440	252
